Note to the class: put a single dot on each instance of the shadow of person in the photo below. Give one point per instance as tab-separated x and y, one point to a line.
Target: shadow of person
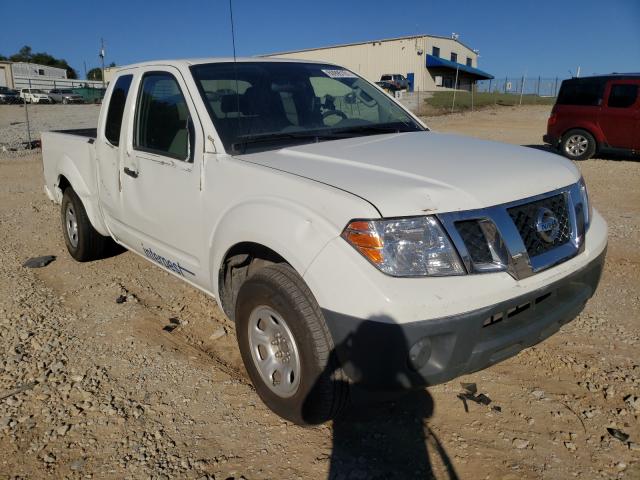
383	433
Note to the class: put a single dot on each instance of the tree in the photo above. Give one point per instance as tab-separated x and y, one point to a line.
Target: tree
2	58
25	54
94	74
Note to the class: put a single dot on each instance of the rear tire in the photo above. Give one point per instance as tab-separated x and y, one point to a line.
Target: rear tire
83	242
287	348
578	144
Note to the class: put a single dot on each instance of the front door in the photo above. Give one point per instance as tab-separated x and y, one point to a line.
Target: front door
620	116
161	175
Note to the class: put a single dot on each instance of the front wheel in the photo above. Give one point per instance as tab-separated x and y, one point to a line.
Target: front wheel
287	348
83	242
578	145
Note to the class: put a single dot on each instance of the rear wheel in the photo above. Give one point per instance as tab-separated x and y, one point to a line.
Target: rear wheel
286	347
578	145
83	242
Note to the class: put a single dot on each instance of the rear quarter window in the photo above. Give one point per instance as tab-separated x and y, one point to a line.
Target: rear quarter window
581	92
116	109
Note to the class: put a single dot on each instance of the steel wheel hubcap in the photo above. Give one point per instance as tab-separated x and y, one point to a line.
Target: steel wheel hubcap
577	145
72	225
274	351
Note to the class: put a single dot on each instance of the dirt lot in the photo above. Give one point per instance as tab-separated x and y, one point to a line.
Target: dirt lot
105	390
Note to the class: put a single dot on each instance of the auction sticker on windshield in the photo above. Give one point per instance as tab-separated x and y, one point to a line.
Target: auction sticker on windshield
339	73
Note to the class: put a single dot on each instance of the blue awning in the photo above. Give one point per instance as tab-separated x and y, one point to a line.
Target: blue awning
442	63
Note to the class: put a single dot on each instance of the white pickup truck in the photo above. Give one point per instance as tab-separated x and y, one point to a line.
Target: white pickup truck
354	248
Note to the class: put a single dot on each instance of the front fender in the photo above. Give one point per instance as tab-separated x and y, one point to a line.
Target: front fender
295	232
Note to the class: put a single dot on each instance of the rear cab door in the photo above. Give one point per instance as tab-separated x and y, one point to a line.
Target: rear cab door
160	174
619	118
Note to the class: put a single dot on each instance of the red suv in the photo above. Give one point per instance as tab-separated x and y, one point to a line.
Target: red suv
596	114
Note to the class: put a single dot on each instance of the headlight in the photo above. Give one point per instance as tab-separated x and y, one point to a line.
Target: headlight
405	247
586	206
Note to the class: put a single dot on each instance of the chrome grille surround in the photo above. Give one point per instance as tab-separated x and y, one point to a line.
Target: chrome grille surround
520	257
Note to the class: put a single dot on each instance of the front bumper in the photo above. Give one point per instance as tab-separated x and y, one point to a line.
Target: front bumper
382	355
376	320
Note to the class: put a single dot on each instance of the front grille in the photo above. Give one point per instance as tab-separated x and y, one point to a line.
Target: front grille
475	241
525	217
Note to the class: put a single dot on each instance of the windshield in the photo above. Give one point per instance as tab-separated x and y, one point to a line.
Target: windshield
262	105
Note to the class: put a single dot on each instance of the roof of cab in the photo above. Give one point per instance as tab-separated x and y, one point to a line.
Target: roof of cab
187	62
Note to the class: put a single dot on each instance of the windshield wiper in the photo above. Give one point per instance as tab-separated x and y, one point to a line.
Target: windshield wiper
241	145
375	129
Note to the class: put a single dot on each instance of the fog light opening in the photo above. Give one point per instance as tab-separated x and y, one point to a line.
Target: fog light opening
420	353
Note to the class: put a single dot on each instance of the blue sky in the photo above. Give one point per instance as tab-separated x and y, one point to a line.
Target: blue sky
544	37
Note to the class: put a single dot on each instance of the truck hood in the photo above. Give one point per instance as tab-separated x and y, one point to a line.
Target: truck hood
425	172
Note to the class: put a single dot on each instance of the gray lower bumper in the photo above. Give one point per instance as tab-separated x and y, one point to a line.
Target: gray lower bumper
379	354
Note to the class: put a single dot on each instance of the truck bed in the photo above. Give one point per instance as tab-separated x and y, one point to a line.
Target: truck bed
82	132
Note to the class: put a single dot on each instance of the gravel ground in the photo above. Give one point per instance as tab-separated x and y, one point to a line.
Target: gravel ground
153	387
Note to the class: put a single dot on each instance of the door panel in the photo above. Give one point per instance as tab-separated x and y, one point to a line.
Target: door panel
620	118
110	154
160	179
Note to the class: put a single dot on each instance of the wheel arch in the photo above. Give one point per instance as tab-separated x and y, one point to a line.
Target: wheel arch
590	128
69	177
239	263
260	231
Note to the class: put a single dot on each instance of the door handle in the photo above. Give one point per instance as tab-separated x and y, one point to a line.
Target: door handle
131	173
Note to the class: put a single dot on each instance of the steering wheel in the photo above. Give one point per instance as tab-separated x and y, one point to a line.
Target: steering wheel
330	113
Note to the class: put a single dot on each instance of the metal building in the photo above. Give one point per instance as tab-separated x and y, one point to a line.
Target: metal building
429	62
31	75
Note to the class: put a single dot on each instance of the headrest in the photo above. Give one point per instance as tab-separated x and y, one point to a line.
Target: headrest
228	103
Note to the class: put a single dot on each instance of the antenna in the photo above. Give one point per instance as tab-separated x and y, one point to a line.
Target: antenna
235	68
233	33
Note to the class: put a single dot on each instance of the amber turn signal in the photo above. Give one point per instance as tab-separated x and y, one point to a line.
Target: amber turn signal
363	237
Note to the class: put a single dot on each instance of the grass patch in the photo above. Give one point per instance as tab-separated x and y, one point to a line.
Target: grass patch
442	100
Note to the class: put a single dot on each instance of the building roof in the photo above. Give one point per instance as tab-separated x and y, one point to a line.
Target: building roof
408	37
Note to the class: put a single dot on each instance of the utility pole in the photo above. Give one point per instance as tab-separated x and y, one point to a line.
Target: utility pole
522	89
85	69
101	55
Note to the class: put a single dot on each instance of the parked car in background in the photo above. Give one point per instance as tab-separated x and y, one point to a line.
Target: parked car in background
596	114
399	81
65	95
34	95
8	95
389	87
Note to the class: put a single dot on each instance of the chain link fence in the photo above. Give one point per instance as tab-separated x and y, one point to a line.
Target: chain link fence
504	91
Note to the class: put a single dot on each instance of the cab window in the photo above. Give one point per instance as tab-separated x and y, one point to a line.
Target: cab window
162	117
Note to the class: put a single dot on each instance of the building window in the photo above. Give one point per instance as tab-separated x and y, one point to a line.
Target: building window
436	52
41	71
469	62
454	57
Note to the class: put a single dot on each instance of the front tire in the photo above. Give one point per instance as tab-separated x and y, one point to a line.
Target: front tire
83	242
578	145
286	347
